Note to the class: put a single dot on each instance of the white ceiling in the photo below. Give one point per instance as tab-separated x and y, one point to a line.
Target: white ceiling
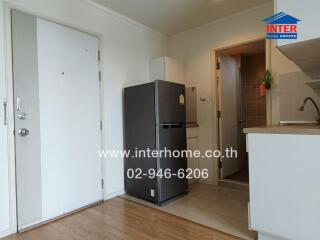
174	16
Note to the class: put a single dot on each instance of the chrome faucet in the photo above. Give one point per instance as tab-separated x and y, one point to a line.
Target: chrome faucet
314	104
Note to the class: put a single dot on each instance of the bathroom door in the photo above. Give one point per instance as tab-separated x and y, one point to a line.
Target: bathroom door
57	119
228	122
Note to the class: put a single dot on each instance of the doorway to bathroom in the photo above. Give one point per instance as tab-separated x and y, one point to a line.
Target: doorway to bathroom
241	103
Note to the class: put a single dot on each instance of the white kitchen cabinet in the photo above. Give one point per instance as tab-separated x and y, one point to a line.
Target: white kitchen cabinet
284	185
304	51
168	69
192	144
307	12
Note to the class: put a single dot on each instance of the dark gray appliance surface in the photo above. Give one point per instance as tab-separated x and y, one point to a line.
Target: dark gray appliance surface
170	110
139	132
171	134
172	137
154	118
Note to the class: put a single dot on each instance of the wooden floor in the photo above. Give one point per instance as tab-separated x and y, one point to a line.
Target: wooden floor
121	219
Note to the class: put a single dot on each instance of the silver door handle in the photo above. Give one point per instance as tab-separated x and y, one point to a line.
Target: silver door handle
18	104
4	103
23	132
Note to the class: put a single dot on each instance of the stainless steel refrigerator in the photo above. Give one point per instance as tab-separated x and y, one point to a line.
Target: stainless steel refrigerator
155	119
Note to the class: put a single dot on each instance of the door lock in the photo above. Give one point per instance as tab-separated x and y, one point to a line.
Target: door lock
23	132
22	116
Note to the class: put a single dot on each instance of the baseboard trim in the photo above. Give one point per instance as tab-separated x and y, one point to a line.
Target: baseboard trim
234	184
7	233
113	195
58	218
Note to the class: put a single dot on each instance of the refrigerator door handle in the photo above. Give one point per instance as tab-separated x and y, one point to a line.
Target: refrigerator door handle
172	125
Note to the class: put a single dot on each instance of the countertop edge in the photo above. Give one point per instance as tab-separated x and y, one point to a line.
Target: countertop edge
278	129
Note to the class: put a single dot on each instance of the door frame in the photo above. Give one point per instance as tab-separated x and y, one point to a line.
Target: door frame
217	93
11	148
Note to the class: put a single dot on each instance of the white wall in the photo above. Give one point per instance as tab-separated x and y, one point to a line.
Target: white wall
4	183
278	64
127	48
195	48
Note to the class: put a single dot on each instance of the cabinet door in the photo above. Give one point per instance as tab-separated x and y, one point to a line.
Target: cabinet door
284	185
308	28
174	71
193	144
168	69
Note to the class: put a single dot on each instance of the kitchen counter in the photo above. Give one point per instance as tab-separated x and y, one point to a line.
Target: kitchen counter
310	129
284	181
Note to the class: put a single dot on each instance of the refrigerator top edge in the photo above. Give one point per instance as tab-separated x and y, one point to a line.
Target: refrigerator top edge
173	83
137	85
155	82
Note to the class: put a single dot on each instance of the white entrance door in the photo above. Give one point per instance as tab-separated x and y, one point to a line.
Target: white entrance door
4	166
57	119
229	113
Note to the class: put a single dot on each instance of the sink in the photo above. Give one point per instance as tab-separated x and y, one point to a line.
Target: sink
302	123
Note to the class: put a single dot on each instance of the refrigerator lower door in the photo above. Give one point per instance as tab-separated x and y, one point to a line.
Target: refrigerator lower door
172	137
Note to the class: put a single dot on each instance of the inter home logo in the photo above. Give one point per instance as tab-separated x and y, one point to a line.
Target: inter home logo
282	26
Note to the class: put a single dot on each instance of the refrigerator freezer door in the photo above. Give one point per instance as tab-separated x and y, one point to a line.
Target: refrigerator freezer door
172	138
170	102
